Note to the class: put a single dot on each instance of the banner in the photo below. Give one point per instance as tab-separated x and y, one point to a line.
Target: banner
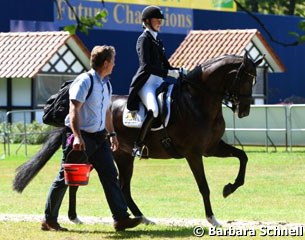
220	5
123	17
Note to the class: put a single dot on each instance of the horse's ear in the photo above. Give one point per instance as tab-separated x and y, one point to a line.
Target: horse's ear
259	61
245	56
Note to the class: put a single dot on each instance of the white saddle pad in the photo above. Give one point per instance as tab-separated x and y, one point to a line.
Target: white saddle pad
134	119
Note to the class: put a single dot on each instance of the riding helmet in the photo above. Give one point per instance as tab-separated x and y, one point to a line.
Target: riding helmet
152	12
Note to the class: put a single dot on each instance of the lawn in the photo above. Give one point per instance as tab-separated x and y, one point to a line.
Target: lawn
273	191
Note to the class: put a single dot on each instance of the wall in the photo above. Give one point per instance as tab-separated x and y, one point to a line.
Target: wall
281	85
3	93
126	57
270	125
31	10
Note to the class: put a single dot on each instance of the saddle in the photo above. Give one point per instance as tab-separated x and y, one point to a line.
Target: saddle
134	119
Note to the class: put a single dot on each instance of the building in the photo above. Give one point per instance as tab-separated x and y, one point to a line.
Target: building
200	46
33	65
123	28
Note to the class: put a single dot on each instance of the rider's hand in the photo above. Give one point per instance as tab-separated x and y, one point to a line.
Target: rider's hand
173	73
183	71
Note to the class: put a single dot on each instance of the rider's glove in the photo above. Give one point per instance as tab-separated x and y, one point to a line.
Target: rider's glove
183	71
173	73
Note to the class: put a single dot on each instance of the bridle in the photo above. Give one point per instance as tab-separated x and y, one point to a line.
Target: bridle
232	94
231	97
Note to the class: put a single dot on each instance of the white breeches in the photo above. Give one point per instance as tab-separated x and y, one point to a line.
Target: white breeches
148	91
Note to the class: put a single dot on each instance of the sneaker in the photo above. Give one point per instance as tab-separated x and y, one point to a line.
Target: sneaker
125	223
52	226
76	220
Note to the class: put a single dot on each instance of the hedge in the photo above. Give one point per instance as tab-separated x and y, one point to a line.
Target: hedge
36	133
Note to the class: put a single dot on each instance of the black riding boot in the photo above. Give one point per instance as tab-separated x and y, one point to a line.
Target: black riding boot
139	144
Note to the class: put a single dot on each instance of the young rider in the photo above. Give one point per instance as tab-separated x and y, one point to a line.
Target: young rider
153	68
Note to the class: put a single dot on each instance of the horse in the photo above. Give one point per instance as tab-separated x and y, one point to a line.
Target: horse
195	128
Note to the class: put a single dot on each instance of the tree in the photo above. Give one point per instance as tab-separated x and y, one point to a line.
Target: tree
253	5
286	7
279	7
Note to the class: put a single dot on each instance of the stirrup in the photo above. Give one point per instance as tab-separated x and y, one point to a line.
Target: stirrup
144	152
141	152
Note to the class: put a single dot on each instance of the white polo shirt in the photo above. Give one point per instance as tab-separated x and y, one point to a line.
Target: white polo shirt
93	111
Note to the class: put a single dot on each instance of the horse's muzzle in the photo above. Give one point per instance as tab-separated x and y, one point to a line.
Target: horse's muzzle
242	111
243	114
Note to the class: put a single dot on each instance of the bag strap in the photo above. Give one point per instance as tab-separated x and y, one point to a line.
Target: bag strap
91	85
108	86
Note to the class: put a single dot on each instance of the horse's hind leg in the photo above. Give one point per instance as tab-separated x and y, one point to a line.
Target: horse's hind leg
226	150
72	215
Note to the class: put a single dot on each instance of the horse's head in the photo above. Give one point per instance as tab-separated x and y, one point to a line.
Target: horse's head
240	92
229	77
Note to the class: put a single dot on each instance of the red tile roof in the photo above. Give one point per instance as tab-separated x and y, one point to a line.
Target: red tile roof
199	46
23	54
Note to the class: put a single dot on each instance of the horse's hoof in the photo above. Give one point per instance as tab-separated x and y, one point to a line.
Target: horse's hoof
76	220
227	190
147	221
212	220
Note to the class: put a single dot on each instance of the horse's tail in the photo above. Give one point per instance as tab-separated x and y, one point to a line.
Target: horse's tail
28	170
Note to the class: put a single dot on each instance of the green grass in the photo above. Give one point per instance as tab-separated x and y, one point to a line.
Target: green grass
274	191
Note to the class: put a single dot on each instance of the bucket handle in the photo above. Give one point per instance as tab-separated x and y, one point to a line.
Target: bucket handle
79	154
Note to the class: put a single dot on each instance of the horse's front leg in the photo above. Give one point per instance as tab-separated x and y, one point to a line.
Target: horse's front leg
226	150
196	165
124	162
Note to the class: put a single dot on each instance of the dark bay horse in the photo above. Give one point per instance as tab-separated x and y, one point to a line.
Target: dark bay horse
194	130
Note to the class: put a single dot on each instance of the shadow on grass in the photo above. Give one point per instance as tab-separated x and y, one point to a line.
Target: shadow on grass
171	232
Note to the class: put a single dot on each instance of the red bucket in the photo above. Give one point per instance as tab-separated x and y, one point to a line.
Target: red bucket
77	174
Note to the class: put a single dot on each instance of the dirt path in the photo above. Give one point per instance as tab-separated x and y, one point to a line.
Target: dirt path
161	221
